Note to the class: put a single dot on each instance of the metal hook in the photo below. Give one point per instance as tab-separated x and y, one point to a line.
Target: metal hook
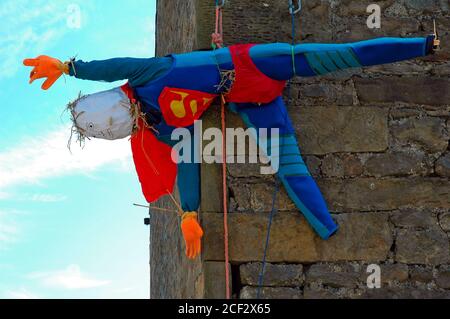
292	7
437	41
220	3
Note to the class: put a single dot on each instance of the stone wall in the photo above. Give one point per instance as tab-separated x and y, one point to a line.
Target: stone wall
377	140
171	274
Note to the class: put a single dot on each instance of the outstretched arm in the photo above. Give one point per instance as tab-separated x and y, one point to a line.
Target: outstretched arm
282	61
137	71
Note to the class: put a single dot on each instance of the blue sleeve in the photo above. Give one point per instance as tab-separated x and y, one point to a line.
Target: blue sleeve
188	176
137	71
323	59
389	50
282	61
188	181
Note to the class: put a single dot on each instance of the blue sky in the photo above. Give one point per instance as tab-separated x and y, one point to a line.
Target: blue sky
67	225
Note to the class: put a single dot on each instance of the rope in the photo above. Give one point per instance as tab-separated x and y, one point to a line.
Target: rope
225	201
294	71
266	247
293	12
277	182
155	170
217	36
217	42
157	208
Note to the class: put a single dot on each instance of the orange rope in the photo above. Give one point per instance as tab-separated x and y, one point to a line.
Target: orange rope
157	208
217	42
225	201
217	36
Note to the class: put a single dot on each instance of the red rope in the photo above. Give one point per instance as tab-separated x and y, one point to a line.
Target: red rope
217	42
216	37
225	201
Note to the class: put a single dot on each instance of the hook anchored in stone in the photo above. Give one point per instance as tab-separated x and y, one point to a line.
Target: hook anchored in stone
292	9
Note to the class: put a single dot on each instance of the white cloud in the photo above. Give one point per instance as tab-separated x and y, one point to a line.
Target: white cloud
4	195
9	230
46	198
21	294
146	45
123	290
28	27
37	197
69	278
47	156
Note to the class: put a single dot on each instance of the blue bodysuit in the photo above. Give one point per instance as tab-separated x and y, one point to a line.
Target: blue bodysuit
199	71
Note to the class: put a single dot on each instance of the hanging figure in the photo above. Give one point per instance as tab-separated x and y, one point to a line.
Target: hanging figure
174	91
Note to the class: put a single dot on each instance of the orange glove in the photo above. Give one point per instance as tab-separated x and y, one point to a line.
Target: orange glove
46	67
192	233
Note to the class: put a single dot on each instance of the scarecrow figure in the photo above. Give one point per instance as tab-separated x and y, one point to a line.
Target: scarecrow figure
174	91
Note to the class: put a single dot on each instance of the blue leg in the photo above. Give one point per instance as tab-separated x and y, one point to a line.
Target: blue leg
188	178
293	173
188	181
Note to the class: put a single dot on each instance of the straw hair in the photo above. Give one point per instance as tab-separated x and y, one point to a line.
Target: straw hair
75	129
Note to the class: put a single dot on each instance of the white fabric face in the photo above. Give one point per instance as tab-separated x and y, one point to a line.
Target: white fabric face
106	115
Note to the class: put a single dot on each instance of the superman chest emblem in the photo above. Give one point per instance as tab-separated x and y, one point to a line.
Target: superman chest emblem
181	107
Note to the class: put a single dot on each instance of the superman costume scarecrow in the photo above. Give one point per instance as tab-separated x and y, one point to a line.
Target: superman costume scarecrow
175	90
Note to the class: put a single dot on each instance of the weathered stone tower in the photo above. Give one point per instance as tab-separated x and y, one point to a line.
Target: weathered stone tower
377	140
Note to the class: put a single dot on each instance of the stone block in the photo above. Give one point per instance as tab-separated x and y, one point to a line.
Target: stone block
341	165
428	246
333	275
396	164
323	130
405	89
271	293
215	286
360	237
394	273
443	277
258	197
428	133
444	221
421	274
274	275
414	218
442	166
325	92
371	194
